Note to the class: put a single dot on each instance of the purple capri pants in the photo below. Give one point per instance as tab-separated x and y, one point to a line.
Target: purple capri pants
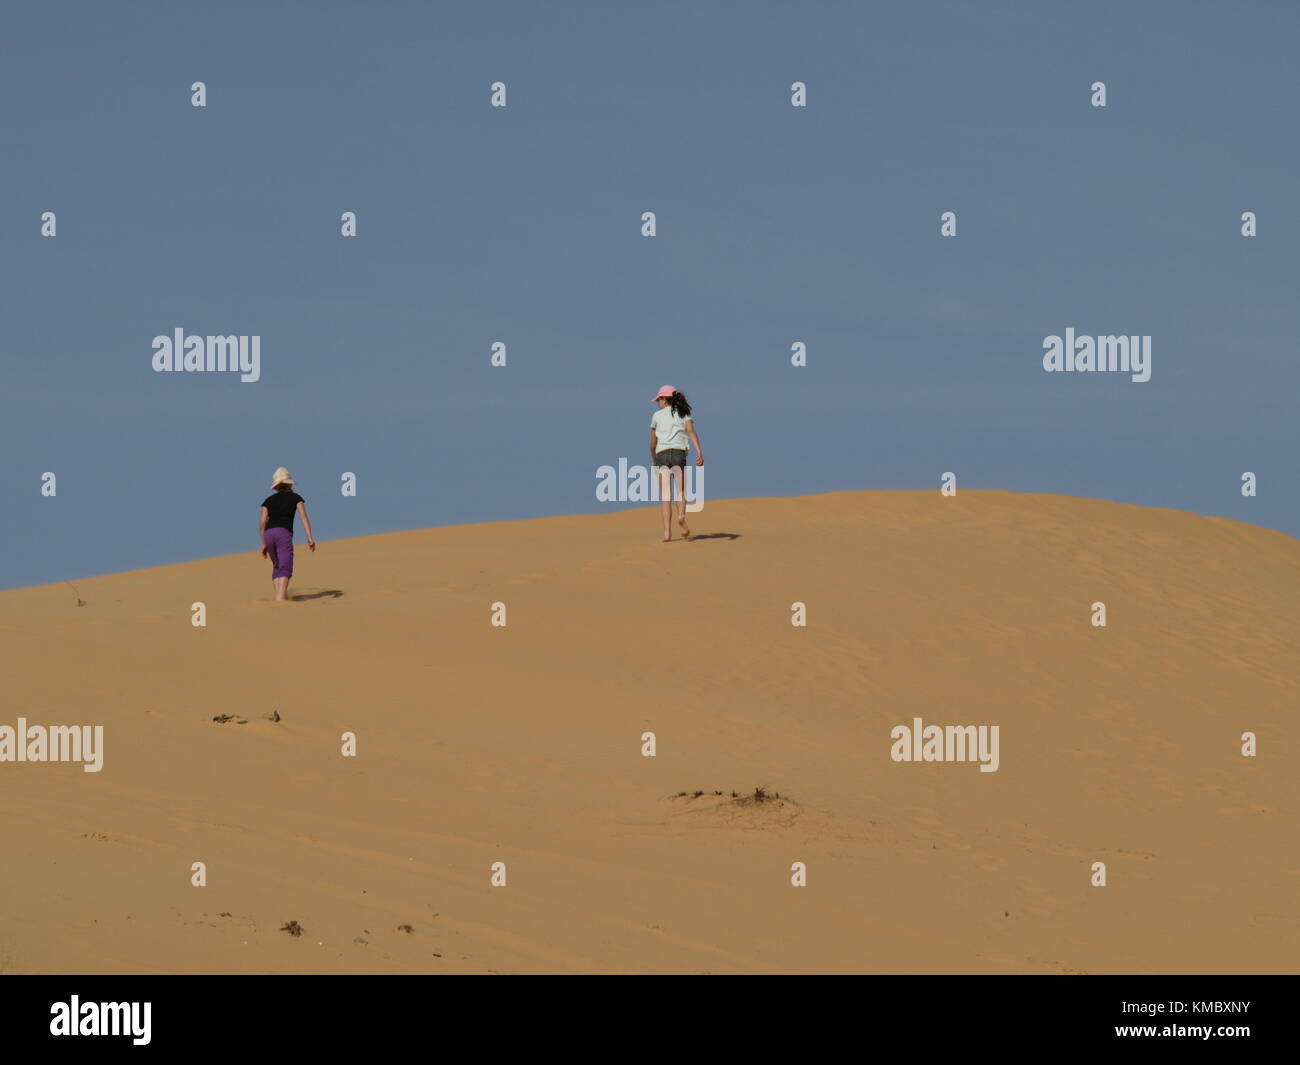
279	548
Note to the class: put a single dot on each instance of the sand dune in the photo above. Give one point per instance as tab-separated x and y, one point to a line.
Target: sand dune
522	744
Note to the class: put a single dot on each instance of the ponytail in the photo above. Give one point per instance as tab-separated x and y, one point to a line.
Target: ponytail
679	405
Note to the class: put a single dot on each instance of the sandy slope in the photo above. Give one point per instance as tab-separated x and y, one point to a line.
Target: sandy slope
522	744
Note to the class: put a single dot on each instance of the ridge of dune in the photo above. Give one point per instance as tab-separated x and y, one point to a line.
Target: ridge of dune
522	744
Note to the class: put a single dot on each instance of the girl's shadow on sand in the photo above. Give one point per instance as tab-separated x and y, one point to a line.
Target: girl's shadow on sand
332	593
716	536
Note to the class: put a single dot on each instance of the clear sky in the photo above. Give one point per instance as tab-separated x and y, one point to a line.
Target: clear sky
522	225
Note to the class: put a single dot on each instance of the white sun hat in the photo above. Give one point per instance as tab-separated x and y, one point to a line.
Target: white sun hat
281	477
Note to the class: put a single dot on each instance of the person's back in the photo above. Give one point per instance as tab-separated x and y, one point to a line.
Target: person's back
280	509
670	429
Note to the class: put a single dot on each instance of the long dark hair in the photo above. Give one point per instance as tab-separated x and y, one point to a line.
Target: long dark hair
679	404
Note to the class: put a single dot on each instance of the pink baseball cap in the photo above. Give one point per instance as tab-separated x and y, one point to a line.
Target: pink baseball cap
666	392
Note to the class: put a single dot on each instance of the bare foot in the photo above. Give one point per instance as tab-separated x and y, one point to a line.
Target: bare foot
668	538
686	532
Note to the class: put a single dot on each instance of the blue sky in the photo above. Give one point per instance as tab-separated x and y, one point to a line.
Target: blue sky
522	225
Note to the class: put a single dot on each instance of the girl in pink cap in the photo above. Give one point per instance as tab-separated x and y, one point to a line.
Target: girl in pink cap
671	426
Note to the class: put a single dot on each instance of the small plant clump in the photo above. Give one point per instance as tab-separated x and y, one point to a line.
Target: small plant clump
759	794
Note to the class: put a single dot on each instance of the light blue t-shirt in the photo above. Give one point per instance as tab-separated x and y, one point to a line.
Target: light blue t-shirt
670	430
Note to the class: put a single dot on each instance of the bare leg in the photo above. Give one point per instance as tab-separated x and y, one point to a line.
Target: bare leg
281	588
666	501
679	475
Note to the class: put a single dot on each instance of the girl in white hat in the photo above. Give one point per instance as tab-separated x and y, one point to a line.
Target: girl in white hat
276	530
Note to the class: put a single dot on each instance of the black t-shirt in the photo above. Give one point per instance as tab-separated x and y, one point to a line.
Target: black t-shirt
281	506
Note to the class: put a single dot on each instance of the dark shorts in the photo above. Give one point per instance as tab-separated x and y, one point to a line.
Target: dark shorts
671	458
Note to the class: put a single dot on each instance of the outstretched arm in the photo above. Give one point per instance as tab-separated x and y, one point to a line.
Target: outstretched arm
306	524
690	431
